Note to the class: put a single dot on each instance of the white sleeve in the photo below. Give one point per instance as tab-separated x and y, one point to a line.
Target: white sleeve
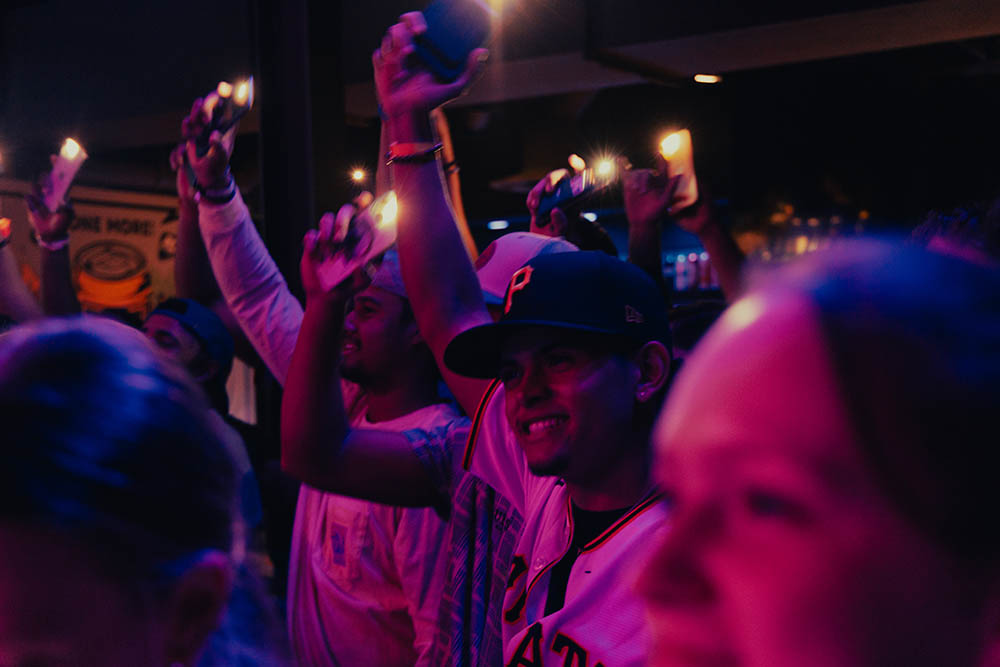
420	548
251	284
492	453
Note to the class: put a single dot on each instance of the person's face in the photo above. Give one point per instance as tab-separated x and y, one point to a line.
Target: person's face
378	337
172	338
569	401
59	611
782	549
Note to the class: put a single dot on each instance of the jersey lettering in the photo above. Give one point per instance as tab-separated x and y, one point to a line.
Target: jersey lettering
518	570
576	655
532	641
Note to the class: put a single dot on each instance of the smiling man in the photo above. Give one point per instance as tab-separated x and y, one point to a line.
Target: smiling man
564	389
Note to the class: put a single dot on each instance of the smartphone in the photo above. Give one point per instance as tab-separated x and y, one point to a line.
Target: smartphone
224	106
369	234
67	164
454	29
571	193
676	149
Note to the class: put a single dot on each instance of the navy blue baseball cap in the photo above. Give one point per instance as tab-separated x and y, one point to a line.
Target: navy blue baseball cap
576	291
204	325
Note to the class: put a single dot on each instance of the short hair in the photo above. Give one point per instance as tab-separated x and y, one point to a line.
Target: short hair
106	440
914	338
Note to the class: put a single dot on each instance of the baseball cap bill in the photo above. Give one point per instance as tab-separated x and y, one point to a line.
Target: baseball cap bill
576	291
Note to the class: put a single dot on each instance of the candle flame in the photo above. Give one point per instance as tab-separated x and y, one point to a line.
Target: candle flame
225	89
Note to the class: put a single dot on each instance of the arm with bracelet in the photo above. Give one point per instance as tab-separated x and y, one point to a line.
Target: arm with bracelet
439	276
52	233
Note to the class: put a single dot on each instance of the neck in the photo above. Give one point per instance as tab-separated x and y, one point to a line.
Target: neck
400	398
620	484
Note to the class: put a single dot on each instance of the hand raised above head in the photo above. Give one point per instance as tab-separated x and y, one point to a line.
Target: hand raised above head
49	226
331	238
212	168
403	86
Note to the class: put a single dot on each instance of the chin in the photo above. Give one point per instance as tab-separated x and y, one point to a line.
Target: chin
552	467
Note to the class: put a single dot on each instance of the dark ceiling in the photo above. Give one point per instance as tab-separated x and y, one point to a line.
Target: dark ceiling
894	130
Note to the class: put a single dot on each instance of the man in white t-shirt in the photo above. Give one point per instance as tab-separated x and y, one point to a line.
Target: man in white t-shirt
365	580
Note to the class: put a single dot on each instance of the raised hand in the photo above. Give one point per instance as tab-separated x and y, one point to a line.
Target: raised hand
322	243
49	226
212	168
555	224
648	193
402	86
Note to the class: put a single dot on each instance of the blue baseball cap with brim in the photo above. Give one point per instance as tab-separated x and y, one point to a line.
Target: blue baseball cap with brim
575	291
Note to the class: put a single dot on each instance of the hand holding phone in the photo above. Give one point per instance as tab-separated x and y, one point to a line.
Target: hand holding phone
64	168
677	151
369	233
454	28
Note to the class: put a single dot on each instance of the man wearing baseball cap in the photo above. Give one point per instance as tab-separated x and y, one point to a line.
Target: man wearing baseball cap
579	363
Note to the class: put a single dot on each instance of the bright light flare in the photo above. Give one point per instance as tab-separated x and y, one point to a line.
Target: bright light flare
670	144
390	211
606	168
244	92
707	78
70	149
577	162
224	89
359	175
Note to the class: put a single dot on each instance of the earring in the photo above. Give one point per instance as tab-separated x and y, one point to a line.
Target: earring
643	394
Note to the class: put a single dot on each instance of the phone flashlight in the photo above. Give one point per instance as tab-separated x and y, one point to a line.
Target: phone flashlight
71	157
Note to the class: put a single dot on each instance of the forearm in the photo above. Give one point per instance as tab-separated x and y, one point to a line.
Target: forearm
193	275
58	293
251	283
645	250
314	423
436	269
16	301
726	258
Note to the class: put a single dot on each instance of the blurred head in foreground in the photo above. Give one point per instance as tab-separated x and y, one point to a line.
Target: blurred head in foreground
117	500
830	455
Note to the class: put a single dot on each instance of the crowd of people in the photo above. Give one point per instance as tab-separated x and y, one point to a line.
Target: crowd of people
523	458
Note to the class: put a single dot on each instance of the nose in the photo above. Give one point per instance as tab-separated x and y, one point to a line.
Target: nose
676	575
534	386
349	321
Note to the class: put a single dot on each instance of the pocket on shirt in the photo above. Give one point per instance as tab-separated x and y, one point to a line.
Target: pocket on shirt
345	533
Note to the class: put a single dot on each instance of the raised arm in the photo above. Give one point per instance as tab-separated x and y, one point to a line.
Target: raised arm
439	276
16	301
649	194
250	282
317	444
52	229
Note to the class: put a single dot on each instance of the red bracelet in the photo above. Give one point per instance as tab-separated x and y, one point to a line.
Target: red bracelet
412	152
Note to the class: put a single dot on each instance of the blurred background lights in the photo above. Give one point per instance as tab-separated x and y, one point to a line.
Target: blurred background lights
358	175
590	216
707	78
497	225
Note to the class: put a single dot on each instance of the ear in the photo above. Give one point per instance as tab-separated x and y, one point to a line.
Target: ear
653	363
196	607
